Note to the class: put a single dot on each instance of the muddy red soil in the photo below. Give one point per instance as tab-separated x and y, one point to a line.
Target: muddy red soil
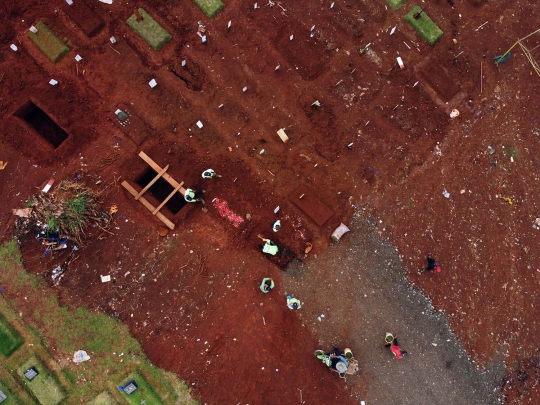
381	140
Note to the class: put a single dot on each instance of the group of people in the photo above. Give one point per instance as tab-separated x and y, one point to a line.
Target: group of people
193	195
267	285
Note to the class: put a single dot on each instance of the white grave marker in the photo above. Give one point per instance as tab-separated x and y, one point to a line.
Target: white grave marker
113	40
78	58
69	2
14	47
183	63
332	5
291	37
33	29
53	82
244	89
199	124
152	83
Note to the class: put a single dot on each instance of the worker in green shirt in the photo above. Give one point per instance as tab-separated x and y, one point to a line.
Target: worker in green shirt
268	247
209	174
192	196
267	285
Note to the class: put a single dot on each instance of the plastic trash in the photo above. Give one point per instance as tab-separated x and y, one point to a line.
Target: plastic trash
341	230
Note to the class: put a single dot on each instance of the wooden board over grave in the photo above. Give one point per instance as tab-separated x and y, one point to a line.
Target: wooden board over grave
311	205
161	173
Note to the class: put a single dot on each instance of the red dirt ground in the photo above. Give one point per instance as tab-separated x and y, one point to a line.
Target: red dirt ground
176	297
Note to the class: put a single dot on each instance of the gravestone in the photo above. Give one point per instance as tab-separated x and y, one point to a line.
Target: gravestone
31	373
3	397
131	387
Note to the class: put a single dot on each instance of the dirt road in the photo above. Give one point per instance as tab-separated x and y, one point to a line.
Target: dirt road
359	291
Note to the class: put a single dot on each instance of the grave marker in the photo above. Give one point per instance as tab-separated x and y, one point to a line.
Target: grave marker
31	373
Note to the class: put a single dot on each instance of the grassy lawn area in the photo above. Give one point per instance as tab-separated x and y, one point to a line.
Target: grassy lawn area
104	398
424	26
26	299
45	386
144	393
149	30
48	42
210	7
395	4
11	399
10	340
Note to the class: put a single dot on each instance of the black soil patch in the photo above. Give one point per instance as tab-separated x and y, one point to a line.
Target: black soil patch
42	124
160	190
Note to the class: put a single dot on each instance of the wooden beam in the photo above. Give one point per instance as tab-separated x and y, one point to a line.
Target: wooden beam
148	205
167	199
166	176
158	176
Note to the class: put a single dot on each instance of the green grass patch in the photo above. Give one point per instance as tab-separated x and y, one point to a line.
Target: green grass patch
48	42
114	352
424	26
10	340
104	398
11	399
210	7
395	4
145	391
511	152
149	29
45	387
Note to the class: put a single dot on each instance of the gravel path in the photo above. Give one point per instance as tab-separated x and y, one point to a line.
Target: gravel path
359	290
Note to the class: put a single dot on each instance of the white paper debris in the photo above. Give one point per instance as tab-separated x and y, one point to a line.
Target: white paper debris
244	89
291	37
276	210
393	30
229	24
400	62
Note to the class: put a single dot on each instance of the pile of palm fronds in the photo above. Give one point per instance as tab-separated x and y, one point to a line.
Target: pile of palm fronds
69	210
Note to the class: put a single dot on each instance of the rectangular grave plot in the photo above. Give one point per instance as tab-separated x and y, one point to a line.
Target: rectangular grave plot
48	42
437	77
87	19
311	205
36	118
160	190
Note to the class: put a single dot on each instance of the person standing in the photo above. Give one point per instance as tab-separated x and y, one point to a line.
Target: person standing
192	195
209	174
293	303
432	264
267	285
392	343
269	247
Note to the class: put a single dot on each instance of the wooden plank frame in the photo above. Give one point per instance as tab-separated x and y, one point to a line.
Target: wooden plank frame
161	172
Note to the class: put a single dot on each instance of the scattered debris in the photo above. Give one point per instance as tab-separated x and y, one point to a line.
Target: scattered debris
446	194
162	231
507	199
48	186
392	31
316	103
3	165
283	135
341	230
80	355
22	212
400	62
